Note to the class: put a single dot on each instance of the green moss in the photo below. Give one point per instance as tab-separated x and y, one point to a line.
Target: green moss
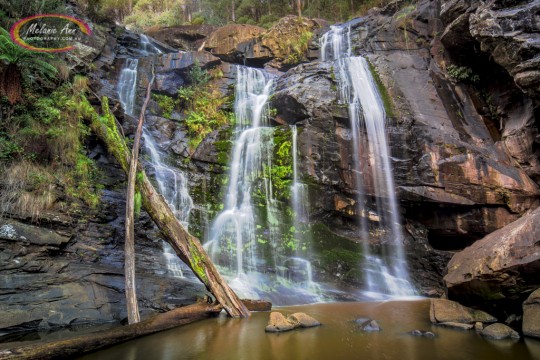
387	102
197	263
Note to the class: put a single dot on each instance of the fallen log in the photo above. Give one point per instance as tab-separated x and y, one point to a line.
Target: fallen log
68	348
257	305
186	246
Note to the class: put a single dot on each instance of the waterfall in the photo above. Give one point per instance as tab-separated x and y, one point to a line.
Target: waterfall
246	240
234	227
172	183
387	274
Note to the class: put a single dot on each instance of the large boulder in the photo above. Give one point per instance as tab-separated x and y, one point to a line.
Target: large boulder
287	37
531	315
228	41
502	266
183	37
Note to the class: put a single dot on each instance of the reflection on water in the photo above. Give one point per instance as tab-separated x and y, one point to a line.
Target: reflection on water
338	338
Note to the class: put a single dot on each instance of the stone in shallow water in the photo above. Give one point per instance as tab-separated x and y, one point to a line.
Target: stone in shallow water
456	325
531	315
499	331
278	323
447	311
303	320
368	325
427	334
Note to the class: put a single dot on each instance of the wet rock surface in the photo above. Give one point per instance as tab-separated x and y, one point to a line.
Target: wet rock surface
531	315
446	311
499	332
279	323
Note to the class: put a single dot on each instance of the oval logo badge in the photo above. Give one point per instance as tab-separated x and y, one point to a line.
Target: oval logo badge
49	32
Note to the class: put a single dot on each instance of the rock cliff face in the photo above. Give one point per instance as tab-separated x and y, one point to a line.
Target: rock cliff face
456	175
462	124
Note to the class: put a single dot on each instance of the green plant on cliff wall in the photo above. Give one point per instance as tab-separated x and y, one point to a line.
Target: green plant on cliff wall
166	104
48	138
462	73
298	47
204	106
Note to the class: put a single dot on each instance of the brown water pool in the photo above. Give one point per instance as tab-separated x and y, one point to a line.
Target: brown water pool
338	338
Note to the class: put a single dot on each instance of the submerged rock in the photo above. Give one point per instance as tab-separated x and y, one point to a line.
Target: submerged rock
531	315
368	325
499	331
427	334
447	312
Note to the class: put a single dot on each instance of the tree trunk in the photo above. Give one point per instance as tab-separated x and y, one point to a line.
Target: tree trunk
233	11
129	252
299	4
188	247
79	345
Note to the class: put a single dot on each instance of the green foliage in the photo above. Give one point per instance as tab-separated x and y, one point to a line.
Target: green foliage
204	106
148	13
197	75
49	136
298	48
22	65
166	104
462	73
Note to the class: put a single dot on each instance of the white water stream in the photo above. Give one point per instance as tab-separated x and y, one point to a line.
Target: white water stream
385	274
172	183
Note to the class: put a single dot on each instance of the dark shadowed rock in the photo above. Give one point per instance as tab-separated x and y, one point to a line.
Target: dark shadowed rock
499	332
531	315
501	266
509	32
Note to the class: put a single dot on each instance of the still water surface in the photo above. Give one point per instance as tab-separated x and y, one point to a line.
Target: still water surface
338	338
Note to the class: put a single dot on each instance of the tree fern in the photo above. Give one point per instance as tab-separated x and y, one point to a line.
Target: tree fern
19	62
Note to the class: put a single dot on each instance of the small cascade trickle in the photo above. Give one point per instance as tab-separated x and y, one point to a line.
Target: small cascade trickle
386	274
299	198
172	183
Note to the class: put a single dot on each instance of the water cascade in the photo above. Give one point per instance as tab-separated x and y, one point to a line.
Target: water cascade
386	274
171	182
245	237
